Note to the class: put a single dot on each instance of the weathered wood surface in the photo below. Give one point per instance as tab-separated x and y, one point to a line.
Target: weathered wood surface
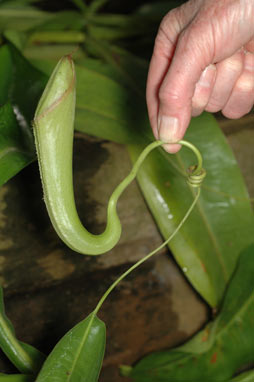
49	288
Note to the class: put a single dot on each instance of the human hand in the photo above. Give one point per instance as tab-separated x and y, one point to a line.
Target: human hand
203	59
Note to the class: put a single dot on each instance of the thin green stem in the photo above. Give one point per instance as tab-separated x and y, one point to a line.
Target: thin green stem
196	172
129	178
141	261
198	168
118	191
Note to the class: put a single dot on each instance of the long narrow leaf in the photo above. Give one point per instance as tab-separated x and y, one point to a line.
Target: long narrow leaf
20	18
221	348
25	78
78	356
17	77
208	246
13	153
5	74
105	108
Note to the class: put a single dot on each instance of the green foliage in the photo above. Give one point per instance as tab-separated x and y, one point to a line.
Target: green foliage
19	16
13	154
25	85
223	208
26	358
78	355
217	351
17	77
104	108
111	105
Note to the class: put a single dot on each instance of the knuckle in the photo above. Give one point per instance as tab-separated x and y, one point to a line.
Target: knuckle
168	96
168	19
234	65
245	85
167	34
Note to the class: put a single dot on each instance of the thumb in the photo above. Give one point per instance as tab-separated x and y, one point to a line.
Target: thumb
191	59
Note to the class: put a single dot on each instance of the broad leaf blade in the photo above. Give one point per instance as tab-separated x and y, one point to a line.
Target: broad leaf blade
20	18
221	225
14	155
17	77
78	356
105	108
25	78
5	73
221	348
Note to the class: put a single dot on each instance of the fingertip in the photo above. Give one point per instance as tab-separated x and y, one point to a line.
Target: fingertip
168	128
169	131
171	148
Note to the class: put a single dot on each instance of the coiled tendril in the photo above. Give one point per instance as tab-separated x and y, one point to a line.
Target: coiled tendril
196	173
195	179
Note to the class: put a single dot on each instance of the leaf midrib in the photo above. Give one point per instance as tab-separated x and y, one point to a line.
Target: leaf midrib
76	358
9	150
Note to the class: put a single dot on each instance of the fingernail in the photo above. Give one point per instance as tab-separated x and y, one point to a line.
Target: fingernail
168	130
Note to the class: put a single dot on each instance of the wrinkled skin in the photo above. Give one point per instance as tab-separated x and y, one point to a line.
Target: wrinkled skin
203	59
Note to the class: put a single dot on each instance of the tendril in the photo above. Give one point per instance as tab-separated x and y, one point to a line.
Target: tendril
195	176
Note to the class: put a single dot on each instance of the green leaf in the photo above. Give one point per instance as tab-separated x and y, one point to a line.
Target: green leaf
78	356
208	245
5	73
26	358
221	348
20	17
244	377
17	38
51	54
16	378
127	69
21	77
14	155
62	21
16	139
25	78
105	109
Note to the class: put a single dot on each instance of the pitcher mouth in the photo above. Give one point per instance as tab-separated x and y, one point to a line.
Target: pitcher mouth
63	85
